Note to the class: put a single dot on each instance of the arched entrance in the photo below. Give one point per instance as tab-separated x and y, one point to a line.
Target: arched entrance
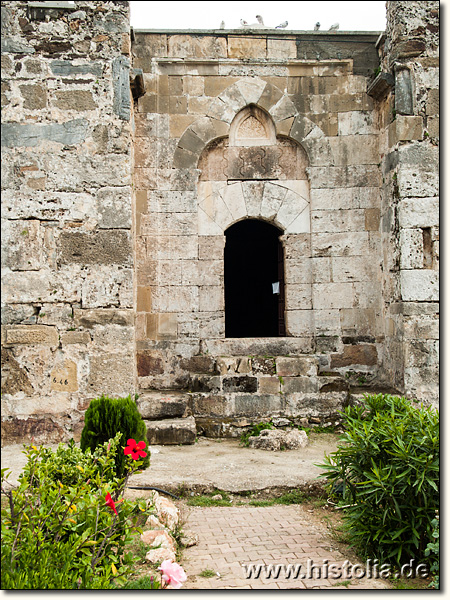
254	280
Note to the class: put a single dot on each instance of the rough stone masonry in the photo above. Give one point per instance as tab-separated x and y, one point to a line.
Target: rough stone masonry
142	171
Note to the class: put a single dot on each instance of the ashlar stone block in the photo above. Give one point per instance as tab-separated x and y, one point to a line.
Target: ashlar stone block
353	268
300	323
211	298
189	46
211	247
23	248
338	220
90	318
327	322
64	377
175	299
341	244
296	367
356	123
360	321
163	326
203	273
419	285
30	335
246	47
293	214
333	295
418	212
281	48
41	286
298	297
360	354
411	249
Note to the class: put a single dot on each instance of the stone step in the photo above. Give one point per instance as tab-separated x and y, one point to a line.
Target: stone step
171	431
157	405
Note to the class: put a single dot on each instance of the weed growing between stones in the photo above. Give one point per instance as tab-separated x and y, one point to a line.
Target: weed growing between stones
222	499
208	573
254	431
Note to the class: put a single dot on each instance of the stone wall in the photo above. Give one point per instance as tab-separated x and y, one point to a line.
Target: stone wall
126	159
408	112
197	173
67	245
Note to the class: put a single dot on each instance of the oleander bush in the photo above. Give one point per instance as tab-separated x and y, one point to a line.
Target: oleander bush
387	469
432	551
66	524
106	417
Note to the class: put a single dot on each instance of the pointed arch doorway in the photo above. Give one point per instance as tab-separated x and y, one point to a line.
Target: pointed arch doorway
254	280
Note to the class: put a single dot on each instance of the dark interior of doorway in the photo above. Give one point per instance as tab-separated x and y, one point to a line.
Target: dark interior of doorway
253	262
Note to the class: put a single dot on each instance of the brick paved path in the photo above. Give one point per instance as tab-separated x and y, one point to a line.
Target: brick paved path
230	537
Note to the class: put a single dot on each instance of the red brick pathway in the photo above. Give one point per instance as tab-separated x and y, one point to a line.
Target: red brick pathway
230	537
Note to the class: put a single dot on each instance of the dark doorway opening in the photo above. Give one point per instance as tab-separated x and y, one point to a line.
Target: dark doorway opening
253	263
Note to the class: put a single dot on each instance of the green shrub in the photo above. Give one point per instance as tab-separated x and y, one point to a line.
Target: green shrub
254	431
387	466
59	532
432	550
105	417
71	466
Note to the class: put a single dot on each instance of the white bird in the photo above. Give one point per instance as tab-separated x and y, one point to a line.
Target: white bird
282	26
260	19
334	27
222	25
317	26
244	23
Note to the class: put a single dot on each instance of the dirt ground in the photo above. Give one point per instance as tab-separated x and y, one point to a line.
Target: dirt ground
221	464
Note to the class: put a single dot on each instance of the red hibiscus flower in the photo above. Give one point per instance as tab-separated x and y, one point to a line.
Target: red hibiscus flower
136	449
110	502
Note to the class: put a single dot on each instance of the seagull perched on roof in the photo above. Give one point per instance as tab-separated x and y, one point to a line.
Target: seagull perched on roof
222	24
317	26
260	19
282	26
334	27
244	23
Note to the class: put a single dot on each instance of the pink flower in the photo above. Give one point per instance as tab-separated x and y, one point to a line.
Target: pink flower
172	574
136	449
110	502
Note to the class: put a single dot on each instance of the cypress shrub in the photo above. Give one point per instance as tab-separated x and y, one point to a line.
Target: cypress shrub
105	417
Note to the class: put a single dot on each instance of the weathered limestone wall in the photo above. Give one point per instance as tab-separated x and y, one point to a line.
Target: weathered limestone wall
408	112
195	176
116	201
67	247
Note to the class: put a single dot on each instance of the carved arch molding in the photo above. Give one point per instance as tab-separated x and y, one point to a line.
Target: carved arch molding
252	173
252	151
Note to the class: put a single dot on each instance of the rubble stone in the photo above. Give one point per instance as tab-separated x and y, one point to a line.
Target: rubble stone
275	440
